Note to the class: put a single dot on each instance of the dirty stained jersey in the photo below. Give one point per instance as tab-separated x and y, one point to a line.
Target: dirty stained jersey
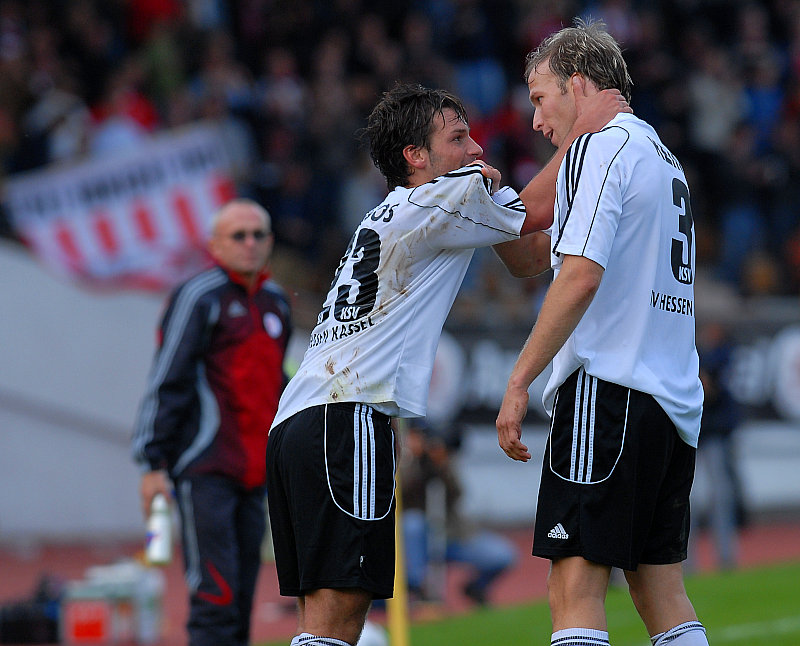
377	334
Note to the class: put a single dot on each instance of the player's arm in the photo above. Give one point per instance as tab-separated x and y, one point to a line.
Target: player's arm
528	256
595	109
565	304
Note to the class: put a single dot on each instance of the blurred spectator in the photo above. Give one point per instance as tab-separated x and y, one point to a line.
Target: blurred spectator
742	225
162	63
126	116
764	93
620	18
434	531
208	15
785	199
720	80
374	52
143	15
280	93
93	42
238	137
474	44
792	256
361	191
58	124
424	61
716	449
221	73
717	106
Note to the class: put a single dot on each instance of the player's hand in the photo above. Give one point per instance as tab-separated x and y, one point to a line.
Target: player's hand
509	424
490	172
153	482
595	107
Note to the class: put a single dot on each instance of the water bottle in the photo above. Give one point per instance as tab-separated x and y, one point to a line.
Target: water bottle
158	545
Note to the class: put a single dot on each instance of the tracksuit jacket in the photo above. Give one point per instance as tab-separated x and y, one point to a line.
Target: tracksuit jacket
216	379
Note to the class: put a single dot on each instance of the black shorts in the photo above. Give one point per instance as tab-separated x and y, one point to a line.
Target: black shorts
616	478
330	483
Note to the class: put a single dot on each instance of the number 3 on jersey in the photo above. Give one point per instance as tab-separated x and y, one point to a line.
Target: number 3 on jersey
682	270
356	281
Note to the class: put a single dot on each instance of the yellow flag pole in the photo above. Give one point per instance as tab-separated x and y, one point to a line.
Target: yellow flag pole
397	606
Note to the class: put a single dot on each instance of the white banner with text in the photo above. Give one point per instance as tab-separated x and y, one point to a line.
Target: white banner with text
138	219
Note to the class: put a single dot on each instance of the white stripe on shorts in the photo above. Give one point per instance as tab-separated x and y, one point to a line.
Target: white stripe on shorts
363	463
583	427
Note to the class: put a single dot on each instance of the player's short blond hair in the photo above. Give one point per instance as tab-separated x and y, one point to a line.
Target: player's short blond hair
586	49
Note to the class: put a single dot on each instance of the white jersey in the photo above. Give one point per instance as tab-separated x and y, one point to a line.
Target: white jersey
376	337
622	201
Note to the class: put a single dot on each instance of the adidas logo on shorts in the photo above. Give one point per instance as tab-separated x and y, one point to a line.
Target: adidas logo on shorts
558	532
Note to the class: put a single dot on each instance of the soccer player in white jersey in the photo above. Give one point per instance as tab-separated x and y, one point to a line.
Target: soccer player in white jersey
330	455
618	324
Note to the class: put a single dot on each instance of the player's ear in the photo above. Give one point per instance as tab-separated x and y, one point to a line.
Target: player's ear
582	86
415	156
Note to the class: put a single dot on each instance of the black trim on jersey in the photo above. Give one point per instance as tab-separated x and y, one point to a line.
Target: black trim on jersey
515	205
572	186
467	170
463	172
572	173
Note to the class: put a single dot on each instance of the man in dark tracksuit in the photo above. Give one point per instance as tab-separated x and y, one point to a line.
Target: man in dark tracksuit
203	423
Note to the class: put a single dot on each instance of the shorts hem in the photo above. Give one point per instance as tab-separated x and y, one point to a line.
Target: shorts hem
600	560
678	558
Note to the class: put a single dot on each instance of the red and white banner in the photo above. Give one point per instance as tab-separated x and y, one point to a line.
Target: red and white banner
139	219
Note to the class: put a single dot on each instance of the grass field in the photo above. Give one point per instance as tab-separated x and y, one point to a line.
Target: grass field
754	607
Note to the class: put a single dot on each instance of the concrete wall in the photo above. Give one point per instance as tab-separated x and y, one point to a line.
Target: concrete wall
73	365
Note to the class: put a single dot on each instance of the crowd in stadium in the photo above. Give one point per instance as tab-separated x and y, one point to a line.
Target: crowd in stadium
292	82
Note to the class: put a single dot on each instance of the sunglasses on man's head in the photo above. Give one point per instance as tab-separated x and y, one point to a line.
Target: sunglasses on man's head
241	236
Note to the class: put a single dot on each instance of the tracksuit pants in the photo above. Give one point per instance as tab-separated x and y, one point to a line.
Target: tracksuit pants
222	527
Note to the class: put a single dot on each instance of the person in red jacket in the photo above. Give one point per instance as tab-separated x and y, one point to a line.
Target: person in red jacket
203	422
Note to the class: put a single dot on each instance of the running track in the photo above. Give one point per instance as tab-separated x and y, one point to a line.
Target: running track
273	616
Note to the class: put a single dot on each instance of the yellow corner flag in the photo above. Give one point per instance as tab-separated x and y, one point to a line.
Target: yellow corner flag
397	606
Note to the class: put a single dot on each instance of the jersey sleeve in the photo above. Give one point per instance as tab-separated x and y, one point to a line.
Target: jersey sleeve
461	213
590	189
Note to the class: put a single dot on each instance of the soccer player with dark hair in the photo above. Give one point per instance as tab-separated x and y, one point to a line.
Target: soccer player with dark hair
331	453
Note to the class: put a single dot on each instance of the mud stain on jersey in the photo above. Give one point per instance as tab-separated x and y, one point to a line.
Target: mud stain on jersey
396	269
345	388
